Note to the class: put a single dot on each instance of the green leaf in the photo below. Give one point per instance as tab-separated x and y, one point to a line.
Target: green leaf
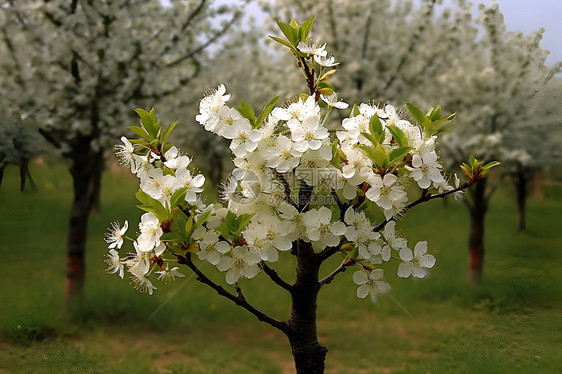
305	28
143	197
354	111
290	33
167	131
151	205
435	113
139	131
336	158
377	154
202	218
172	236
138	142
284	42
189	227
247	111
370	138
375	126
398	154
149	122
294	24
416	113
266	110
489	165
178	197
231	222
243	221
398	135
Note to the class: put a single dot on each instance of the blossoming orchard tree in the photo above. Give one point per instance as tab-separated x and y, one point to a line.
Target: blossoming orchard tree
297	190
398	47
77	65
495	92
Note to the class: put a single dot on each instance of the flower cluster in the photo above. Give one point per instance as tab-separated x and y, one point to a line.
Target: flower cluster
295	182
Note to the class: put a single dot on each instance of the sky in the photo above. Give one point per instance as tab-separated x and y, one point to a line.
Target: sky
531	15
524	15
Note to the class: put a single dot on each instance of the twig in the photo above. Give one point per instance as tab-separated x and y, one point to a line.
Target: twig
327	253
425	197
340	269
238	299
287	188
275	277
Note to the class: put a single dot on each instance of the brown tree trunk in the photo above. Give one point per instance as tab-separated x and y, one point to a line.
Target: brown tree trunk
521	188
96	198
308	354
84	163
476	234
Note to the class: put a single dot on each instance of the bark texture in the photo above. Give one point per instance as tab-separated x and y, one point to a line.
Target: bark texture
308	354
85	162
478	211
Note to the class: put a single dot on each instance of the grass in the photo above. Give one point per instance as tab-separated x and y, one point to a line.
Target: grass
511	322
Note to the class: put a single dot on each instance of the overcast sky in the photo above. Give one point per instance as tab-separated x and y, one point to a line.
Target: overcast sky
524	15
531	15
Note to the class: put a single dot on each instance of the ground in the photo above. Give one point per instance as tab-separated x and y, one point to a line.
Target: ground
511	322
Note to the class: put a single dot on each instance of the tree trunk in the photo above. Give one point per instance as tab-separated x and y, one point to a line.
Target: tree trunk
96	198
84	163
521	188
476	234
308	354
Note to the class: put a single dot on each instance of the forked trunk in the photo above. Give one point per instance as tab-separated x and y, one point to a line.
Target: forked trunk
308	354
476	233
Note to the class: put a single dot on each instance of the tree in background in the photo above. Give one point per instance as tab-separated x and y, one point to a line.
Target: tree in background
80	65
20	141
297	190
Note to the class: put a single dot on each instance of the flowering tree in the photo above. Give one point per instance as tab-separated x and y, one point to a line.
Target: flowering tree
78	64
297	190
495	92
20	141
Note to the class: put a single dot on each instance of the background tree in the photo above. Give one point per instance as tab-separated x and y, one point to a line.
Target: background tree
494	91
20	141
81	65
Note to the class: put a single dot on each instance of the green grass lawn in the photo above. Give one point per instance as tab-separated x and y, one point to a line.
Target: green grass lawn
510	323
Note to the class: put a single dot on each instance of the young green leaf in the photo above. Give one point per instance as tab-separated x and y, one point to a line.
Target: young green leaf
398	154
354	111
266	110
247	111
290	33
435	113
167	131
139	131
377	154
375	126
416	113
305	28
398	135
284	42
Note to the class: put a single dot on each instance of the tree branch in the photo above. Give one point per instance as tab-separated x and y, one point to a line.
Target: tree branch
327	253
424	198
238	299
340	269
286	187
193	14
206	44
275	277
413	43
